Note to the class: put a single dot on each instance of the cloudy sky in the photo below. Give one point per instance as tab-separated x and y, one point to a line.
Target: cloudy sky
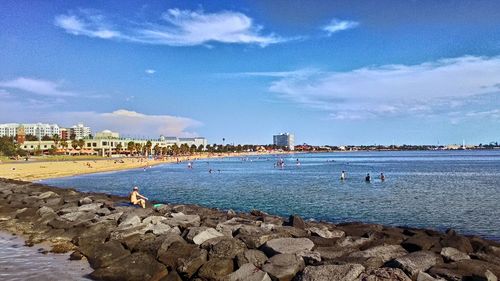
332	72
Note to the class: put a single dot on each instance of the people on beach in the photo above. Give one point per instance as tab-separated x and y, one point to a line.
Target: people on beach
342	176
136	198
382	177
368	178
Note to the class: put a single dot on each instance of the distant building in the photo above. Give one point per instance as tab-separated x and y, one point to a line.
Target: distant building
38	130
80	131
285	139
64	133
107	134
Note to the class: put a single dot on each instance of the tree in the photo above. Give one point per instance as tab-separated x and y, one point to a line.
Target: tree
56	140
47	138
192	149
7	146
175	149
200	148
148	147
130	147
164	150
157	149
30	137
72	136
64	144
74	143
81	144
138	147
119	148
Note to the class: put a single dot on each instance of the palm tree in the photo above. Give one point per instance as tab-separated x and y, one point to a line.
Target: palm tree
138	147
192	149
64	145
119	147
130	147
200	148
56	140
74	144
81	144
157	149
175	149
148	147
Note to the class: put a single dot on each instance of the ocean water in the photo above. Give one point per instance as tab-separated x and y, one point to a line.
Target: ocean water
430	189
20	263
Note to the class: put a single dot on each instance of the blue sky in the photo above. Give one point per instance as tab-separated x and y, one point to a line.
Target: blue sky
332	72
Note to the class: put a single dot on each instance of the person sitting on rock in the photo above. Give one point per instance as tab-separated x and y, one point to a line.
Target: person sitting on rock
137	199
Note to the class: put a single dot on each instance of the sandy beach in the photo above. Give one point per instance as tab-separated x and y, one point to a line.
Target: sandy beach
38	170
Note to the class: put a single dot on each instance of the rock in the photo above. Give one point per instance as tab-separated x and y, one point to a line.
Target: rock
216	269
226	248
325	233
62	247
248	272
323	242
283	267
353	242
331	253
287	246
47	195
359	229
191	232
206	234
103	255
420	242
476	267
92	207
190	264
45	211
172	276
458	242
346	272
154	219
231	226
158	229
128	221
181	220
171	255
136	267
490	276
422	276
384	252
452	254
385	274
75	256
255	257
254	236
297	221
414	262
310	257
290	231
85	201
103	212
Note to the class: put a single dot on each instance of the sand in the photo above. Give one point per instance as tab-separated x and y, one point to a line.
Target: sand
32	171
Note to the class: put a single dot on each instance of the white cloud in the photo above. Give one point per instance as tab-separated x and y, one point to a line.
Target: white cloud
38	87
392	90
150	71
337	25
133	123
178	28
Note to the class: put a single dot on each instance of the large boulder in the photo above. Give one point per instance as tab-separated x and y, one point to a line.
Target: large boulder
205	235
452	254
346	272
225	248
105	254
182	220
216	269
287	246
384	253
283	267
297	221
458	242
385	274
170	252
136	267
248	272
254	236
325	233
189	265
255	257
414	262
420	242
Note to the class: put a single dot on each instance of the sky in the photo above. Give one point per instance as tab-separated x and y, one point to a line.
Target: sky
331	72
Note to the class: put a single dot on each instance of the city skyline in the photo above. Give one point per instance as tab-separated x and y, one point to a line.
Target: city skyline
337	72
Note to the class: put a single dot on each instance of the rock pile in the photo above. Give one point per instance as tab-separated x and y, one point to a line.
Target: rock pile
187	242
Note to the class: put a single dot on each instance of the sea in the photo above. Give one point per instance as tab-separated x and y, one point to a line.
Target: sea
426	189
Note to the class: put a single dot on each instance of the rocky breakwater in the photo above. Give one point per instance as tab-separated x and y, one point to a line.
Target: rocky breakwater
185	242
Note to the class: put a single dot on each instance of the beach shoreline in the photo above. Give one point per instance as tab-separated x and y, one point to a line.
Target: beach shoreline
39	170
188	241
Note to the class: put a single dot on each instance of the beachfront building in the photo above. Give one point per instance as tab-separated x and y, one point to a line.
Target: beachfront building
80	131
285	139
38	130
110	145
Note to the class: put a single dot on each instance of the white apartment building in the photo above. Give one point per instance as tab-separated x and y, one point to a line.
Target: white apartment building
285	139
39	129
80	131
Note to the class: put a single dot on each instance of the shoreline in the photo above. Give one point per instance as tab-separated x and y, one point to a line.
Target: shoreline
184	242
40	170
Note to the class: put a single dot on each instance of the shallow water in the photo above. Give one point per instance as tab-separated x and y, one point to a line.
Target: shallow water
431	189
18	262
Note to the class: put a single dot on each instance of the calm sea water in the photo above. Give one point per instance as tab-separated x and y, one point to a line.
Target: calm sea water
431	189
